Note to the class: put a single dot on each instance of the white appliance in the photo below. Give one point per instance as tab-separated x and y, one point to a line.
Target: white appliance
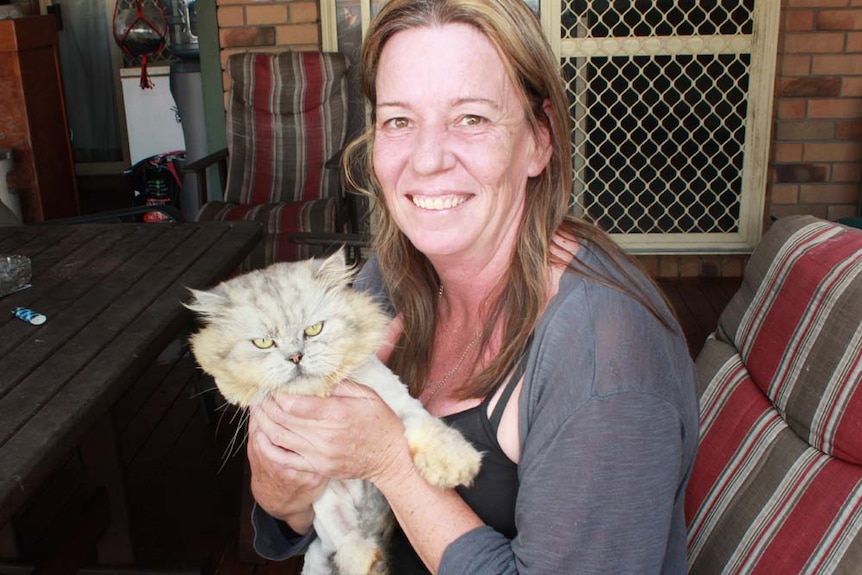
152	120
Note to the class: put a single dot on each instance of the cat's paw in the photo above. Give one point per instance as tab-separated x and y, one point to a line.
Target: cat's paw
441	454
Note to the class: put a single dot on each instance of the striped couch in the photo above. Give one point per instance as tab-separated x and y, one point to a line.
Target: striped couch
777	484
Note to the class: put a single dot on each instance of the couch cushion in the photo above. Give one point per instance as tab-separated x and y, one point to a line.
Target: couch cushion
280	222
777	483
287	116
760	496
796	324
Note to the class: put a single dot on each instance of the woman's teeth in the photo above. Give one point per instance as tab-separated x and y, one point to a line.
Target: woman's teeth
438	203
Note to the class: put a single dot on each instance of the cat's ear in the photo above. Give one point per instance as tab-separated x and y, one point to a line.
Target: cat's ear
207	303
334	270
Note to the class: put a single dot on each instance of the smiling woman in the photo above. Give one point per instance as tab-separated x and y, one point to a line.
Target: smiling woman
452	132
523	327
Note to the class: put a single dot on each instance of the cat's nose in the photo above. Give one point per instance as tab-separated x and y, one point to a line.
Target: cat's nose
295	358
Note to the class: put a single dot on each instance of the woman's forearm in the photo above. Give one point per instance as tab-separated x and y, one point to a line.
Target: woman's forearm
430	517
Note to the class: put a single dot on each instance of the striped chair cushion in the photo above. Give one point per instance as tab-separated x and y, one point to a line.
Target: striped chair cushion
287	115
777	484
279	221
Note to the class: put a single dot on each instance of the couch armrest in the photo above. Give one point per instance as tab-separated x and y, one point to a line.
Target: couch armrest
199	168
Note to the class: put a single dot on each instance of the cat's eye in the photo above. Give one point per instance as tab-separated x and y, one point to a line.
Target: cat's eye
263	342
314	330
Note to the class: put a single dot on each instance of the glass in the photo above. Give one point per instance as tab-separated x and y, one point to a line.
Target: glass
14	273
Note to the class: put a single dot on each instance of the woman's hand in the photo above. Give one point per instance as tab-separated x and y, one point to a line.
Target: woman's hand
280	490
352	434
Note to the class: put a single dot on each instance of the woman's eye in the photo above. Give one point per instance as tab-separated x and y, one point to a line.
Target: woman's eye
314	330
471	120
263	343
397	123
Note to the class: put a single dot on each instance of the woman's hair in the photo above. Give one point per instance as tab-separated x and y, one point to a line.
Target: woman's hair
521	293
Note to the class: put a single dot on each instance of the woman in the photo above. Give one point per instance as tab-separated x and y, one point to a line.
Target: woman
526	328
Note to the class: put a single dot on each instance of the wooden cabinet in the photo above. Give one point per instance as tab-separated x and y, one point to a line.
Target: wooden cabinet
33	122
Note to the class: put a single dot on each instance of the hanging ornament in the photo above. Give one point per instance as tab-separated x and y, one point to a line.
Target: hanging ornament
140	27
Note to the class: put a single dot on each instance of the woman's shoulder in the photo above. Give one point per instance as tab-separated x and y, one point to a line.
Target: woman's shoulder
595	340
598	289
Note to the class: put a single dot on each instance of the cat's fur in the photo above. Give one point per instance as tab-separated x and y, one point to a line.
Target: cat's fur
322	331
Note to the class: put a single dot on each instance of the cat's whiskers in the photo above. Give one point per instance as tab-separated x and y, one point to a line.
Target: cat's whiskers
236	442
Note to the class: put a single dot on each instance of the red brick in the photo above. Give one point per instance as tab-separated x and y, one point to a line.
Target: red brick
266	14
668	267
846	172
298	34
800	173
837	65
785	194
798	20
832	152
839	20
650	264
795	65
814	43
843	211
230	16
815	3
849	130
854	42
733	265
792	109
810	87
805	130
689	266
828	194
851	86
788	152
835	108
303	12
237	37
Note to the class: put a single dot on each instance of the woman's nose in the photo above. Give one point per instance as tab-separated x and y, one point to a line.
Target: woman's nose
432	150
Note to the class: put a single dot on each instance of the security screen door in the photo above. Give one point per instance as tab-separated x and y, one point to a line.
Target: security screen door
670	102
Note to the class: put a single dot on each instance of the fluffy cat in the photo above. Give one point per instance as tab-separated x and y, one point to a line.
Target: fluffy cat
299	327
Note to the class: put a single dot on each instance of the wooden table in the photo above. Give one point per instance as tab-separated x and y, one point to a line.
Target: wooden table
112	294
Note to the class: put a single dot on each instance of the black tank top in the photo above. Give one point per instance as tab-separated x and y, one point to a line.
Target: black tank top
494	491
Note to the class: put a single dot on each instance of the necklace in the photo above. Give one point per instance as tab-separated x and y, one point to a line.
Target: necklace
439	385
436	387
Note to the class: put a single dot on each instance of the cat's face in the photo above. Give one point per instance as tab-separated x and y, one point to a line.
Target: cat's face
295	327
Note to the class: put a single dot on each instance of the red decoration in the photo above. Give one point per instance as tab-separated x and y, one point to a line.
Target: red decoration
140	27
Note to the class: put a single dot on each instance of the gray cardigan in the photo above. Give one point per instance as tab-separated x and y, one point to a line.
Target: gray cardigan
608	428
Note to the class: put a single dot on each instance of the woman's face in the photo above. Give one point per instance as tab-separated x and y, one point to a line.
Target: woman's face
452	148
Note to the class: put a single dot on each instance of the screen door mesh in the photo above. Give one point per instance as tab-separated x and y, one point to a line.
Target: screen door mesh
659	101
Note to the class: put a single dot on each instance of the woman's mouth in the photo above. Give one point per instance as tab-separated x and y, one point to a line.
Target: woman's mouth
438	202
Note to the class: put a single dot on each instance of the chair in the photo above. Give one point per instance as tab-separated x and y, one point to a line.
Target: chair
777	482
287	122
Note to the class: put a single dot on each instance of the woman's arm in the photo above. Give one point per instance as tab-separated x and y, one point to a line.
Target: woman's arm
608	435
354	434
597	496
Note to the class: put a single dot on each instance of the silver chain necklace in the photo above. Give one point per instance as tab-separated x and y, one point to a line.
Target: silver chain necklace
436	387
439	385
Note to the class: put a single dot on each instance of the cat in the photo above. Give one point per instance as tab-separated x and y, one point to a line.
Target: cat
300	327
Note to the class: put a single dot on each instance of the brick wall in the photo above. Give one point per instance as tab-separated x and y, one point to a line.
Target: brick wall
817	137
267	25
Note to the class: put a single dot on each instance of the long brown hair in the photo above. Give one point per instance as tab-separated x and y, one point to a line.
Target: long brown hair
521	293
